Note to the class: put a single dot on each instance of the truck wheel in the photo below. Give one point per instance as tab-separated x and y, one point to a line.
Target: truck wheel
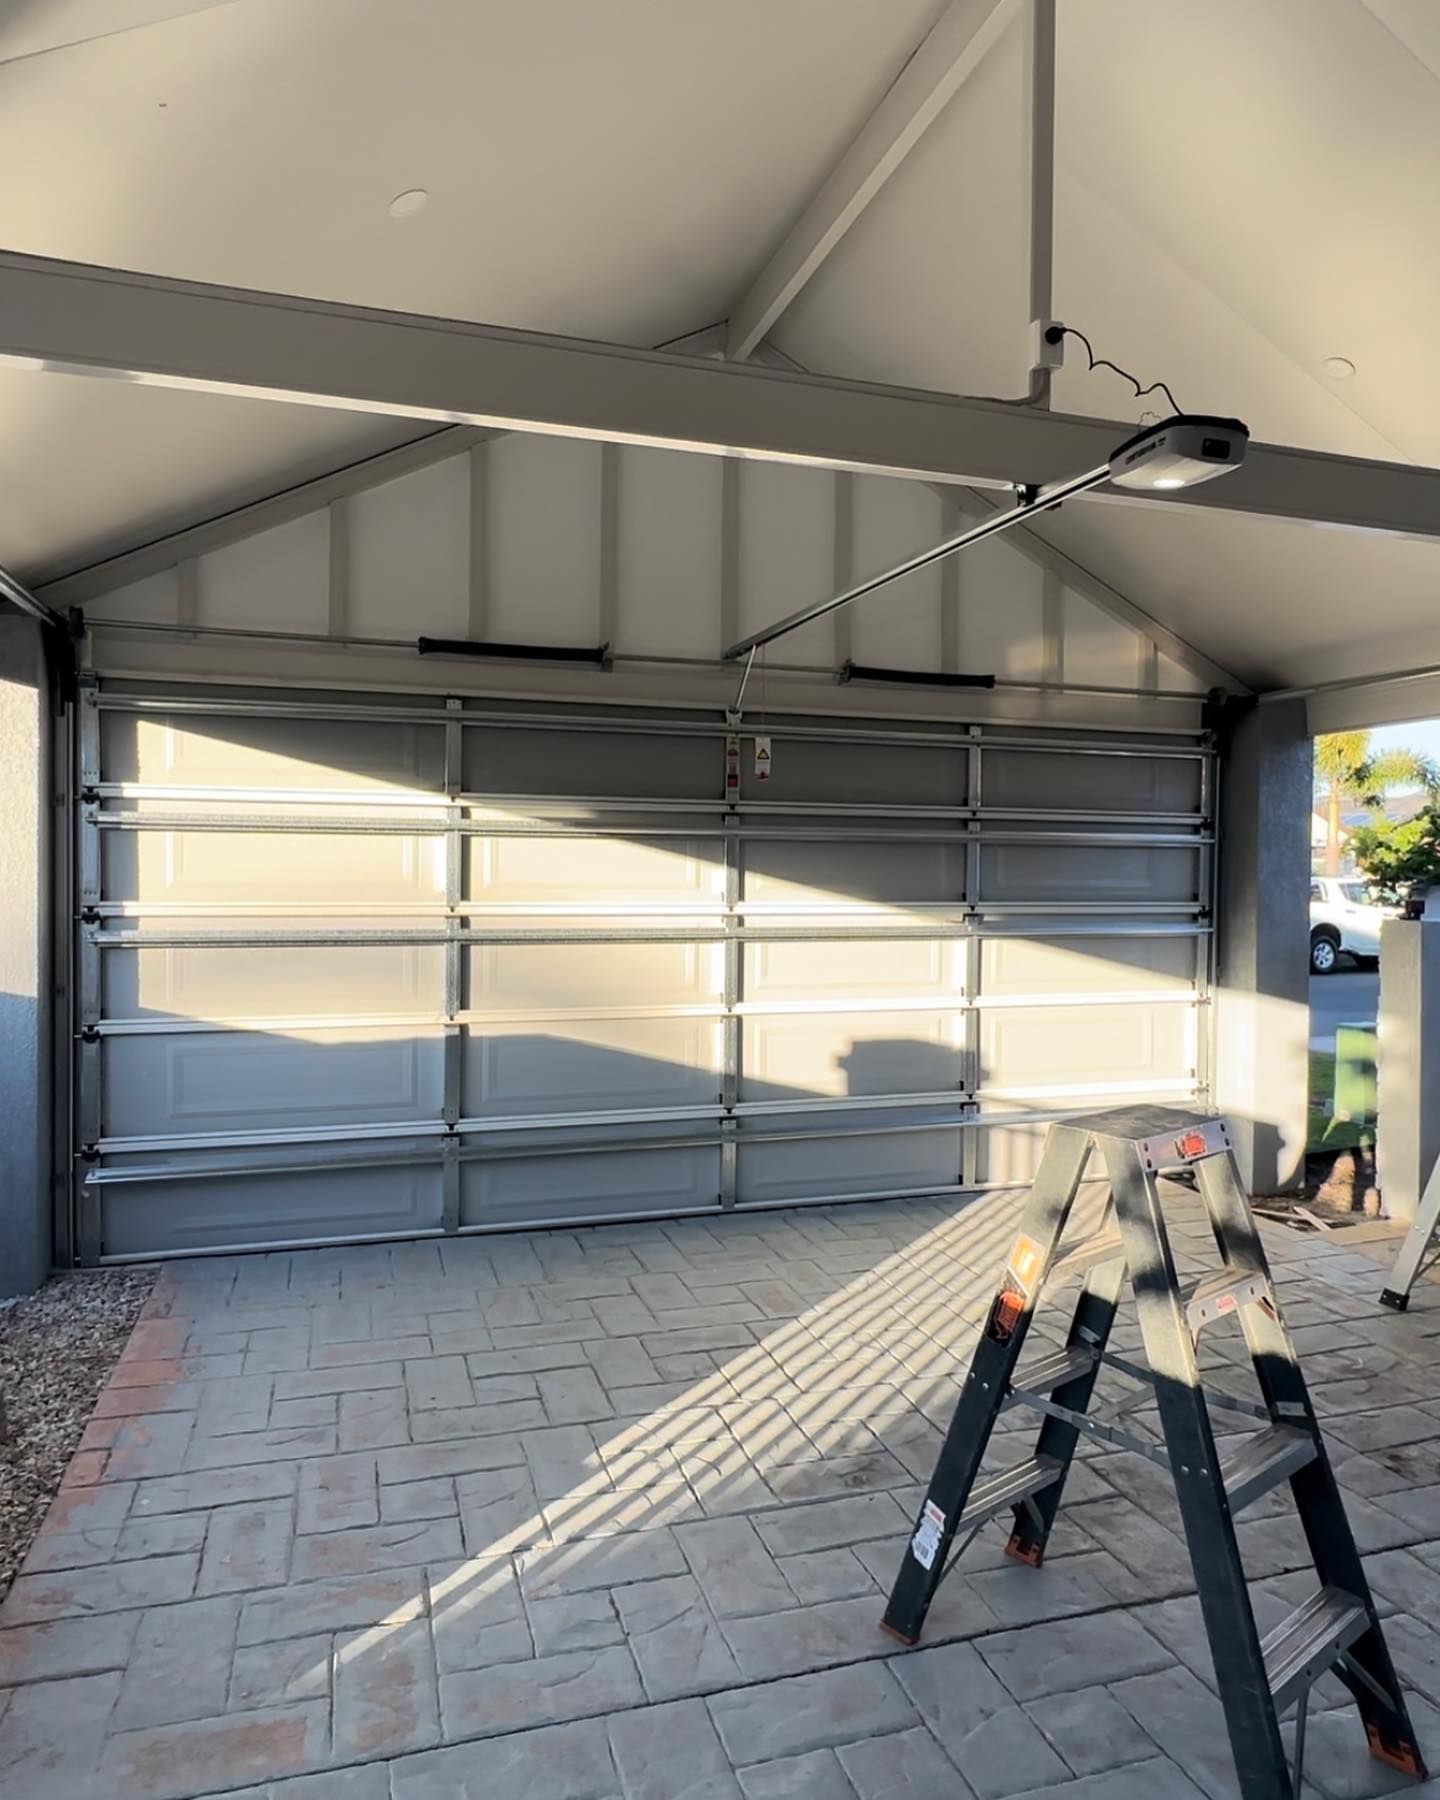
1324	951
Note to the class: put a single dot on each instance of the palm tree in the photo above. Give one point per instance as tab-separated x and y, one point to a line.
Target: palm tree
1351	774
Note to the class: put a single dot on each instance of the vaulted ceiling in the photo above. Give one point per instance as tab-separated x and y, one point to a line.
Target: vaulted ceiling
1242	191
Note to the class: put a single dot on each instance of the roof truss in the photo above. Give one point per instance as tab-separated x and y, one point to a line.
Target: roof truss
940	66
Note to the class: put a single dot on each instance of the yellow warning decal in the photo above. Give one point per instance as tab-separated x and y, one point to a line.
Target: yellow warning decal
1025	1262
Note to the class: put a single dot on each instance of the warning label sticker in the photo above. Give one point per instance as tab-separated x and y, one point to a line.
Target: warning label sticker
1026	1260
926	1542
1005	1315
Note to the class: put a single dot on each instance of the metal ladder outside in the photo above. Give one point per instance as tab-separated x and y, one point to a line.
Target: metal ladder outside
1412	1252
1258	1679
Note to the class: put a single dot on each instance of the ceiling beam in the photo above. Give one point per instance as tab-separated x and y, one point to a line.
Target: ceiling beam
83	320
955	46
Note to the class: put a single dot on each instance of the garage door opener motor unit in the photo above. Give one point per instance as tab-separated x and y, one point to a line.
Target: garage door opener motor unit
1337	1627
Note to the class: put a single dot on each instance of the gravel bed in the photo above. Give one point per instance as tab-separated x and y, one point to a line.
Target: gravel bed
56	1349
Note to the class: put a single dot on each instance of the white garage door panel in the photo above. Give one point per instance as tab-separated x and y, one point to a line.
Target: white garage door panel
827	873
560	975
882	1164
244	1081
1008	1154
1045	1046
1078	966
617	869
908	968
241	1212
849	1054
327	755
1099	872
232	983
1146	784
623	766
521	1189
1044	967
858	773
586	1066
173	867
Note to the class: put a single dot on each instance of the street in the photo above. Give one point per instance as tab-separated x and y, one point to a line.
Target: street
1349	996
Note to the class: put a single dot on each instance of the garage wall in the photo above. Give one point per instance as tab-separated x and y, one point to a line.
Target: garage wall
553	541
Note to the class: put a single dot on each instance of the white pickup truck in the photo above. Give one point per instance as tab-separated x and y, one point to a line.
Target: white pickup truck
1344	920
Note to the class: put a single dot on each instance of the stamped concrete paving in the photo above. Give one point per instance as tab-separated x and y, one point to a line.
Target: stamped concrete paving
609	1515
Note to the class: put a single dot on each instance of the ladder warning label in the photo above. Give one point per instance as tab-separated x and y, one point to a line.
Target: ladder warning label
926	1541
1005	1315
763	759
1026	1260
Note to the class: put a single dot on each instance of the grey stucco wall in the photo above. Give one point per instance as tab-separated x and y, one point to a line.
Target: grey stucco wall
1262	999
25	960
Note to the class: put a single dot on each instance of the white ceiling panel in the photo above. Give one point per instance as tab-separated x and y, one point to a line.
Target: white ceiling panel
610	170
930	287
89	468
1278	604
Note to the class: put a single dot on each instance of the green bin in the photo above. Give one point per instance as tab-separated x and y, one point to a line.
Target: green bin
1355	1056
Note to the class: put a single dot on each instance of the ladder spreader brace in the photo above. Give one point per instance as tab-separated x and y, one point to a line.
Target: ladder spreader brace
1337	1628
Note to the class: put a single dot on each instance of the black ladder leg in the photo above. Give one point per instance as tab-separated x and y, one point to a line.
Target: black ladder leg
1240	1673
1396	1291
1090	1330
1366	1668
943	1511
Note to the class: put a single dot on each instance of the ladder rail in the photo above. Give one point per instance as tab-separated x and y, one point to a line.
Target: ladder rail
987	1386
1205	1516
1316	1492
1411	1254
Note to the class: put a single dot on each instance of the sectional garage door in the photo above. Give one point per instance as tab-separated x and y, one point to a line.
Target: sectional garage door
351	966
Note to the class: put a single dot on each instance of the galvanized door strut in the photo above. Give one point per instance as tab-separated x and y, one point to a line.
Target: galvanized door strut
1337	1627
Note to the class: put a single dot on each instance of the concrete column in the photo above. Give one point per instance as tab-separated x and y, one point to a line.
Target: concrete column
1262	1000
1407	1137
25	960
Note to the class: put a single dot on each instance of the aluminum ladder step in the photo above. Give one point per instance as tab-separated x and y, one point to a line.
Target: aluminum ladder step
1263	1461
1307	1643
1089	1253
1008	1488
1050	1372
1225	1292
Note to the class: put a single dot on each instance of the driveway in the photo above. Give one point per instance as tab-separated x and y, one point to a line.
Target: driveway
1349	996
610	1515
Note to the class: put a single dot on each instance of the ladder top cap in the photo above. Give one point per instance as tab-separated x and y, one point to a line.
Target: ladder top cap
1140	1123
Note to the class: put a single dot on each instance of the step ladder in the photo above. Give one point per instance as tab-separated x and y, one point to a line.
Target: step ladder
1417	1243
1258	1678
